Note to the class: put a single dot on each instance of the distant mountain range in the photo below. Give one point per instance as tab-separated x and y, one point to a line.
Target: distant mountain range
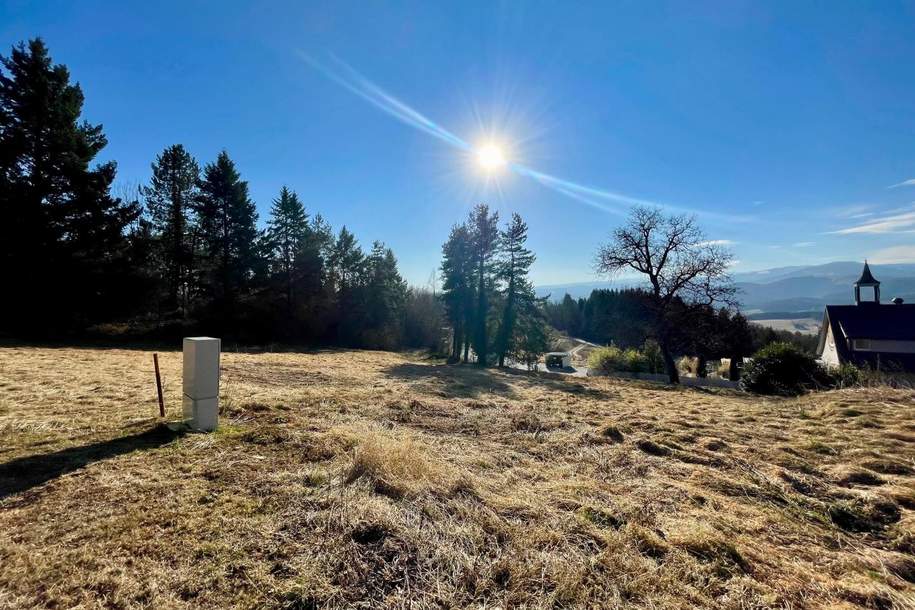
802	288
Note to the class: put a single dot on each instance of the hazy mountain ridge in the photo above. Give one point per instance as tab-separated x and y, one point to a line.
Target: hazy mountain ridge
798	288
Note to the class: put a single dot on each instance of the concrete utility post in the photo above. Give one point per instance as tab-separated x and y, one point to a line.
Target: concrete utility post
201	382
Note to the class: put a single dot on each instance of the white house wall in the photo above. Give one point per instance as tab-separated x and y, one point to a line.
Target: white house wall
830	355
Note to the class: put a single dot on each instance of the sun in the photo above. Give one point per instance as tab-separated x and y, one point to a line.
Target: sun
490	157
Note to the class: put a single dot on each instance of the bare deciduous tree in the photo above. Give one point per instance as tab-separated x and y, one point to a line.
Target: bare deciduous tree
680	265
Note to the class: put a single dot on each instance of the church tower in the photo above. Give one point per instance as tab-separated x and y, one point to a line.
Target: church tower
867	280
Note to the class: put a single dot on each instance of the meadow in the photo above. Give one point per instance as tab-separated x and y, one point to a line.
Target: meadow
367	479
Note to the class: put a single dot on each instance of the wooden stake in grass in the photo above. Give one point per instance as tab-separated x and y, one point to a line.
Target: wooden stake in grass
159	385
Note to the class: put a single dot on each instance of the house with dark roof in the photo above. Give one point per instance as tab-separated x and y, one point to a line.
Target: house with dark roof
869	333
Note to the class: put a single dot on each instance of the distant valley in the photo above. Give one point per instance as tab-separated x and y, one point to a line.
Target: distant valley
784	292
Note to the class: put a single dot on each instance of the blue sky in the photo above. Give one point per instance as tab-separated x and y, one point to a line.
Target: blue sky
782	125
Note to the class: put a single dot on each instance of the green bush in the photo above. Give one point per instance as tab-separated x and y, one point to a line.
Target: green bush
653	356
606	359
635	361
613	359
847	376
784	370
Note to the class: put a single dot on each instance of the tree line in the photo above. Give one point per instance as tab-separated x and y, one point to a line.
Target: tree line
179	253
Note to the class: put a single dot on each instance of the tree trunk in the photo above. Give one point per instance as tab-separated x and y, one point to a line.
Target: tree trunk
671	366
701	366
482	311
456	344
734	368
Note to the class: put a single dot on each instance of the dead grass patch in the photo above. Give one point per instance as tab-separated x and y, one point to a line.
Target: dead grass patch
710	546
396	464
360	479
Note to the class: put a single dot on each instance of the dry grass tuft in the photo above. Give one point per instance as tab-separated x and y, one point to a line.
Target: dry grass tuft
612	434
711	547
397	465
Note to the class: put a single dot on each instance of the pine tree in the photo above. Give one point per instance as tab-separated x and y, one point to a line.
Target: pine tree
346	261
532	339
484	242
62	233
457	287
287	232
385	292
169	197
518	293
227	218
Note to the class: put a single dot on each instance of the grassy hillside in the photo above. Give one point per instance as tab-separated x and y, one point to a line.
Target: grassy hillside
366	479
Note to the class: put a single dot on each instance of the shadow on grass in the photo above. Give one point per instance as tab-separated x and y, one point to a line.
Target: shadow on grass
452	380
560	382
468	381
25	473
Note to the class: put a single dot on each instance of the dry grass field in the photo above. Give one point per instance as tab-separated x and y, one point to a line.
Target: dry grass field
371	480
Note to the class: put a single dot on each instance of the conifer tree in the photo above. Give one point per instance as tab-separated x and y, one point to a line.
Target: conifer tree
484	242
169	197
227	218
62	232
346	260
457	286
385	294
513	267
287	232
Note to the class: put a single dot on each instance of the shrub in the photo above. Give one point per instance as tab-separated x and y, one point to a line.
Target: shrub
613	359
847	376
635	361
606	359
653	356
784	370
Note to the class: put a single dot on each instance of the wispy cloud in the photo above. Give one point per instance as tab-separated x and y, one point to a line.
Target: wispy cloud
858	210
900	222
909	182
803	244
615	202
718	242
894	254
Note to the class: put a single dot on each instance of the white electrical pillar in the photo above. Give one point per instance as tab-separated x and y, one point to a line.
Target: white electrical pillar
201	382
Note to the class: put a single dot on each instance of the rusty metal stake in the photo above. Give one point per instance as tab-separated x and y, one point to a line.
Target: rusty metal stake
159	386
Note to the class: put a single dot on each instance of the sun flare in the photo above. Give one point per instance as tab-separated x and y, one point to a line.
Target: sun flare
490	157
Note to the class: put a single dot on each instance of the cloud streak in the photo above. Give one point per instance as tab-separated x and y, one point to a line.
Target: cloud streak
350	79
903	222
909	182
894	254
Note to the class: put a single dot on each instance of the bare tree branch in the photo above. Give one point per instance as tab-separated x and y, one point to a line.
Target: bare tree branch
678	261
